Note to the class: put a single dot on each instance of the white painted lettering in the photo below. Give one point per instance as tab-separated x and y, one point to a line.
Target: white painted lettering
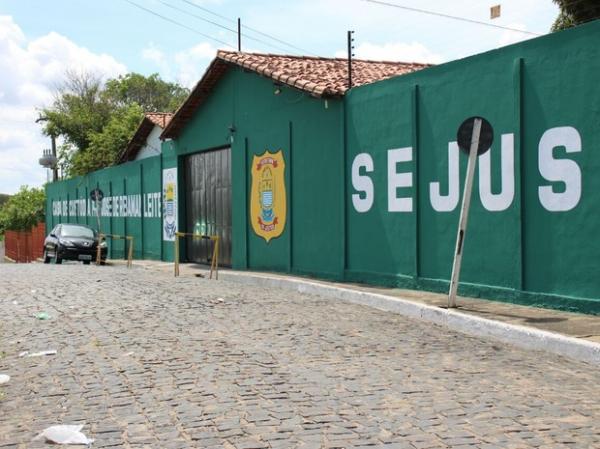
447	203
496	202
399	180
362	201
565	171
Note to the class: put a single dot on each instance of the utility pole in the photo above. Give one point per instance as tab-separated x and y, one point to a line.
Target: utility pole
350	56
55	159
239	34
55	167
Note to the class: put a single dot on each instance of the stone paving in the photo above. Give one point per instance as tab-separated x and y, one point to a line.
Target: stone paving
149	361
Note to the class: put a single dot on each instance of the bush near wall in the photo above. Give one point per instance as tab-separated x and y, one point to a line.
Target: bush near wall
23	210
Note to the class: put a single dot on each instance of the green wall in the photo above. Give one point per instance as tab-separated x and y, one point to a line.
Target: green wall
138	181
531	236
522	250
244	112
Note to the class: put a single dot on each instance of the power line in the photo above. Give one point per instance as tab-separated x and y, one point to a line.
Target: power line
208	11
448	16
179	24
219	25
306	52
270	36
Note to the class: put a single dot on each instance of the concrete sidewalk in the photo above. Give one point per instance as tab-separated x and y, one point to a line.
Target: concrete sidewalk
513	323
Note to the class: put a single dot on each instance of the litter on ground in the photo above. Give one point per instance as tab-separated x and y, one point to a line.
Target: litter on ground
64	434
37	354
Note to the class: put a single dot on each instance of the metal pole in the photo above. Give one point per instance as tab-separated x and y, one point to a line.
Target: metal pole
464	214
130	256
98	213
350	47
239	34
99	231
217	261
176	255
55	167
98	250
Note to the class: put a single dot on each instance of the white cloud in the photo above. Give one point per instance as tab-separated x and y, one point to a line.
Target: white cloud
512	37
184	67
152	53
29	72
192	63
158	57
394	51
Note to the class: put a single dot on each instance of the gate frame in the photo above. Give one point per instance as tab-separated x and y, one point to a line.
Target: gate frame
214	263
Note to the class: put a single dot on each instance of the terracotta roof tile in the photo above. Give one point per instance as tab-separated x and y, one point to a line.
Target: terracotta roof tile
318	76
161	119
321	77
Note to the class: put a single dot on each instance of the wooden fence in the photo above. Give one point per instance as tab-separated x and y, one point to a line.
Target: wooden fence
25	246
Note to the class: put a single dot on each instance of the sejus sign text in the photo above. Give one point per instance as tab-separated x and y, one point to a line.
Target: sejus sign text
147	205
561	193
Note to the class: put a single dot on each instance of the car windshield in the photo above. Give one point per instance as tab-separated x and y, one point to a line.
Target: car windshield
76	231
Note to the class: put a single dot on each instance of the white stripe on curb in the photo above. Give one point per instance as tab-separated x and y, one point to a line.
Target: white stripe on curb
519	336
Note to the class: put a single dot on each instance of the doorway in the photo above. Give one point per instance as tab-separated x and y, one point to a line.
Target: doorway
208	204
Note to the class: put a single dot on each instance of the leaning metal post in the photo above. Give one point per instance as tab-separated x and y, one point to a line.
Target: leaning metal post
464	214
176	254
214	263
98	256
130	256
217	259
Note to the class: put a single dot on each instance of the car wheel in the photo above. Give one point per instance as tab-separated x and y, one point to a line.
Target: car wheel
46	257
57	260
86	262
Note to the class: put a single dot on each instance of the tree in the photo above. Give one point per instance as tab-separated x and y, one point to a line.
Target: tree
97	120
575	12
106	145
151	93
3	198
23	210
78	109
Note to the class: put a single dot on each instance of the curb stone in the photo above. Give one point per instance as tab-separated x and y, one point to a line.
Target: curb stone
520	336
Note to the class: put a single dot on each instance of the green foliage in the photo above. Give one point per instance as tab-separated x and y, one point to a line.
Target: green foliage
78	109
96	120
151	93
23	210
106	145
3	198
575	12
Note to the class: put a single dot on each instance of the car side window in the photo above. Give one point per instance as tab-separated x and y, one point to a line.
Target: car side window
56	230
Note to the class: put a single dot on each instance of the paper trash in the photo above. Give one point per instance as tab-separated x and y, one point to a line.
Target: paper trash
64	434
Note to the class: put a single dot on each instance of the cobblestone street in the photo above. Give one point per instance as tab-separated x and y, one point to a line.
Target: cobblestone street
147	360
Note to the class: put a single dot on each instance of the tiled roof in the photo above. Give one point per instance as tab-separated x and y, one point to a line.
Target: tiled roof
320	77
161	119
150	120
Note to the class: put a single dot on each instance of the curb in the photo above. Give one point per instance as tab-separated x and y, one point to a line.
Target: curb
516	335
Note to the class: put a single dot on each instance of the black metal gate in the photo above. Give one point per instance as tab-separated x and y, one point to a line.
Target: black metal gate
208	204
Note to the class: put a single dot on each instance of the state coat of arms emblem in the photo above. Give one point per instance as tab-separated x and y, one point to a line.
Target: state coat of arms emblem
268	207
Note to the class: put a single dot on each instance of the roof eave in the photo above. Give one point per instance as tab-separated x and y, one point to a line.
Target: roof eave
202	89
137	141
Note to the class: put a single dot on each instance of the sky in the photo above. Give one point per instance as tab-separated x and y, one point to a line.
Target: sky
40	40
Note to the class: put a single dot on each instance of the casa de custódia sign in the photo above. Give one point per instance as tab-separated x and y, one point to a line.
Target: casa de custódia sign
147	205
268	207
